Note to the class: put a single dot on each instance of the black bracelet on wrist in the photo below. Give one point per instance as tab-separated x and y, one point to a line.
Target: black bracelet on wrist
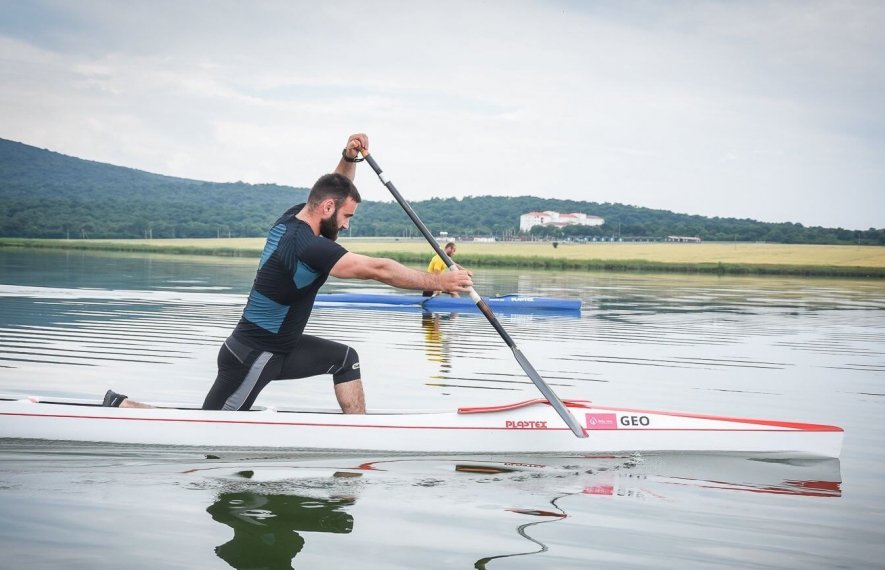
348	159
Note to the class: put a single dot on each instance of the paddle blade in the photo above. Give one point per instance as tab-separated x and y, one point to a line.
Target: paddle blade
548	393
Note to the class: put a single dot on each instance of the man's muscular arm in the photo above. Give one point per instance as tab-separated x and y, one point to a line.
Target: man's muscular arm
390	272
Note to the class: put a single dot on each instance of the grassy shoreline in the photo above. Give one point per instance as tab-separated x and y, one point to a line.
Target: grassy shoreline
708	258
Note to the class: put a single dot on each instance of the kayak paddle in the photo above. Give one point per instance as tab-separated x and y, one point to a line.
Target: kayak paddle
539	382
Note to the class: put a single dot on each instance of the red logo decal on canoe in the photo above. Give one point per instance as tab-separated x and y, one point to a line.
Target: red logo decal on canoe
512	424
602	421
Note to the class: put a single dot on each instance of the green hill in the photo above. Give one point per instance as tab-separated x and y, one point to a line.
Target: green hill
44	194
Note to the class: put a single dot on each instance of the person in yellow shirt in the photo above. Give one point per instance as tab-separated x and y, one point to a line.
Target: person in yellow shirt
437	265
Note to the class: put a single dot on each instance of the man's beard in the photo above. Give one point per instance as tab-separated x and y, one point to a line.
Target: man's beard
328	228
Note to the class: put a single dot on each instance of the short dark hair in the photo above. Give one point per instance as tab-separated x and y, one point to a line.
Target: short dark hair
335	186
451	243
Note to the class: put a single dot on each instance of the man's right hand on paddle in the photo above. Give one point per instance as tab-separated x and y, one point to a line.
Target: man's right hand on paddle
455	280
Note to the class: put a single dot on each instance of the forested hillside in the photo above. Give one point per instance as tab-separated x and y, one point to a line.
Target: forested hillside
44	194
499	217
48	195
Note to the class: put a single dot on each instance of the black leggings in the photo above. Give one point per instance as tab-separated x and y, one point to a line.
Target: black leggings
244	371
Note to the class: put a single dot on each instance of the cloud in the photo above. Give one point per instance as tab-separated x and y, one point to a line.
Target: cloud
763	110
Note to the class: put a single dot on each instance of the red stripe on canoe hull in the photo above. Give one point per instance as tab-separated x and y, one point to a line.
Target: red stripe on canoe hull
792	427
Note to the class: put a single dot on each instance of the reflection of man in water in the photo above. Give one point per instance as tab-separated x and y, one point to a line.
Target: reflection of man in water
266	526
436	346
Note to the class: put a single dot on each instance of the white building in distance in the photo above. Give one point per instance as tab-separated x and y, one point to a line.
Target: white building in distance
557	220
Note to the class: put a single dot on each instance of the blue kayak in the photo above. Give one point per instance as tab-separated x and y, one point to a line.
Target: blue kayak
504	303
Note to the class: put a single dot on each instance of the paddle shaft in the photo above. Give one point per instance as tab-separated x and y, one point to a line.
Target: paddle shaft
483	307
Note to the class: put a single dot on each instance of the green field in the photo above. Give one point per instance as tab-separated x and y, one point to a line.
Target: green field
732	258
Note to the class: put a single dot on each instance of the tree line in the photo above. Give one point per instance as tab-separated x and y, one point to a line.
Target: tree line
44	194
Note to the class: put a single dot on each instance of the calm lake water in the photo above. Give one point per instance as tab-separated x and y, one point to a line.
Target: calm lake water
74	324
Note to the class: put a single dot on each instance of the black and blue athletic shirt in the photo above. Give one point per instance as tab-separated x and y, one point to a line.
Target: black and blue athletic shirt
294	265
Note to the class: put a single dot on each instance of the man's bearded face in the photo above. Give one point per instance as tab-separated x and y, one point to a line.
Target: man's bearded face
329	227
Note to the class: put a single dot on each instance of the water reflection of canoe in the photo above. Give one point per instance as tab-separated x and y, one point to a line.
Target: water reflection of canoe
525	427
503	303
281	495
632	476
803	477
276	498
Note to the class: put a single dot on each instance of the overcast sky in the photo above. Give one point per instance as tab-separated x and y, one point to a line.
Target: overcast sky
767	110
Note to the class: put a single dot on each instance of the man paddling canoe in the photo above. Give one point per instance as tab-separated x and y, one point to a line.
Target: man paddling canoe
300	253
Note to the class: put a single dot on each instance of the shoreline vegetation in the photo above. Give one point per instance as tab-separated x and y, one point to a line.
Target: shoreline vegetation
719	258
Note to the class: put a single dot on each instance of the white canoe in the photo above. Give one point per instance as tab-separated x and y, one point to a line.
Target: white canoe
532	426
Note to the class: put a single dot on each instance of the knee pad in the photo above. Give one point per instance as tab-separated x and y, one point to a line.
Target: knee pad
350	368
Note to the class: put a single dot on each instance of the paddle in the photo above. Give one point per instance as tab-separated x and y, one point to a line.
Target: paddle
542	386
